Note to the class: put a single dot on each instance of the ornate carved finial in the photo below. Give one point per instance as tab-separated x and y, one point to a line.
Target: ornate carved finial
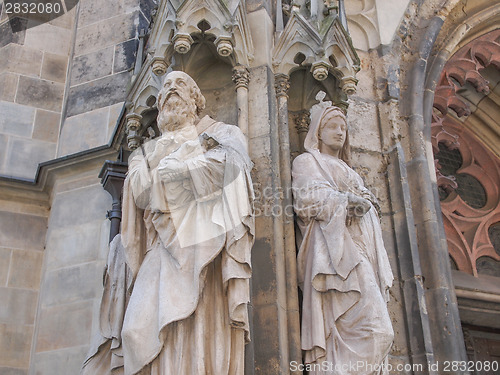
224	46
159	66
282	84
349	85
302	121
241	76
133	127
182	42
320	70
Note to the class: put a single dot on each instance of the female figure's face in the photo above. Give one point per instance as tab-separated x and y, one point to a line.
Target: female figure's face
332	133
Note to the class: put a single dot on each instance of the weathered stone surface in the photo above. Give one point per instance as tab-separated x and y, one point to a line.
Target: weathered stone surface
15	351
92	66
3	150
54	67
59	362
13	31
84	131
98	94
72	319
114	116
67	20
73	245
18	306
15	58
106	33
49	38
4	265
13	371
92	11
72	284
40	93
25	269
23	156
79	207
8	86
16	119
46	127
125	54
363	126
265	317
22	231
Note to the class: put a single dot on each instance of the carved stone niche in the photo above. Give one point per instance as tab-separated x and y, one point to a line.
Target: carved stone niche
178	22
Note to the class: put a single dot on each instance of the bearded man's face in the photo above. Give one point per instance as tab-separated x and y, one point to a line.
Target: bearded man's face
177	108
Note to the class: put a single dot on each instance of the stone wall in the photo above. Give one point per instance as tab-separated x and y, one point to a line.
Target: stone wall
22	240
75	255
104	54
33	65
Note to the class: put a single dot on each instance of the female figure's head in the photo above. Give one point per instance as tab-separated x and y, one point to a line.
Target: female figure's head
328	133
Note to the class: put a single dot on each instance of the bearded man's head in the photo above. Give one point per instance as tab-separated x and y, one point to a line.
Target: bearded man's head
180	102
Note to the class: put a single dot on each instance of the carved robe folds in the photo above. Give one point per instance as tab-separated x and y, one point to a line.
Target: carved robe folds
187	232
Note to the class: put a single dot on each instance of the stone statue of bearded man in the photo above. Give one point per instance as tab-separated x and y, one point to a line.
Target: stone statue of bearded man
187	232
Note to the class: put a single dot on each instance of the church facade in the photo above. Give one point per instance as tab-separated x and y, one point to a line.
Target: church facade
418	79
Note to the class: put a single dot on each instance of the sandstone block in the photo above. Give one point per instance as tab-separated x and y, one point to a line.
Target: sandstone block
15	345
49	38
8	86
54	67
98	94
75	320
13	371
60	362
18	306
13	31
16	58
4	265
16	119
46	126
125	54
24	155
22	231
107	33
72	245
40	93
92	66
84	131
90	203
25	269
72	284
92	11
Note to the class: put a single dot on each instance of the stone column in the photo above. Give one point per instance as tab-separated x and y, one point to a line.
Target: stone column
302	121
241	80
282	84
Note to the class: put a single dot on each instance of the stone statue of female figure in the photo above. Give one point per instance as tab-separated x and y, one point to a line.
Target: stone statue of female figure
343	268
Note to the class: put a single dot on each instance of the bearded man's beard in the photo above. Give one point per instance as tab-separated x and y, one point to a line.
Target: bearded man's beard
176	113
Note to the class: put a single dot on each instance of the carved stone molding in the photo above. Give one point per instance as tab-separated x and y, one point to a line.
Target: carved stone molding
134	125
241	76
302	121
282	85
363	23
464	67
